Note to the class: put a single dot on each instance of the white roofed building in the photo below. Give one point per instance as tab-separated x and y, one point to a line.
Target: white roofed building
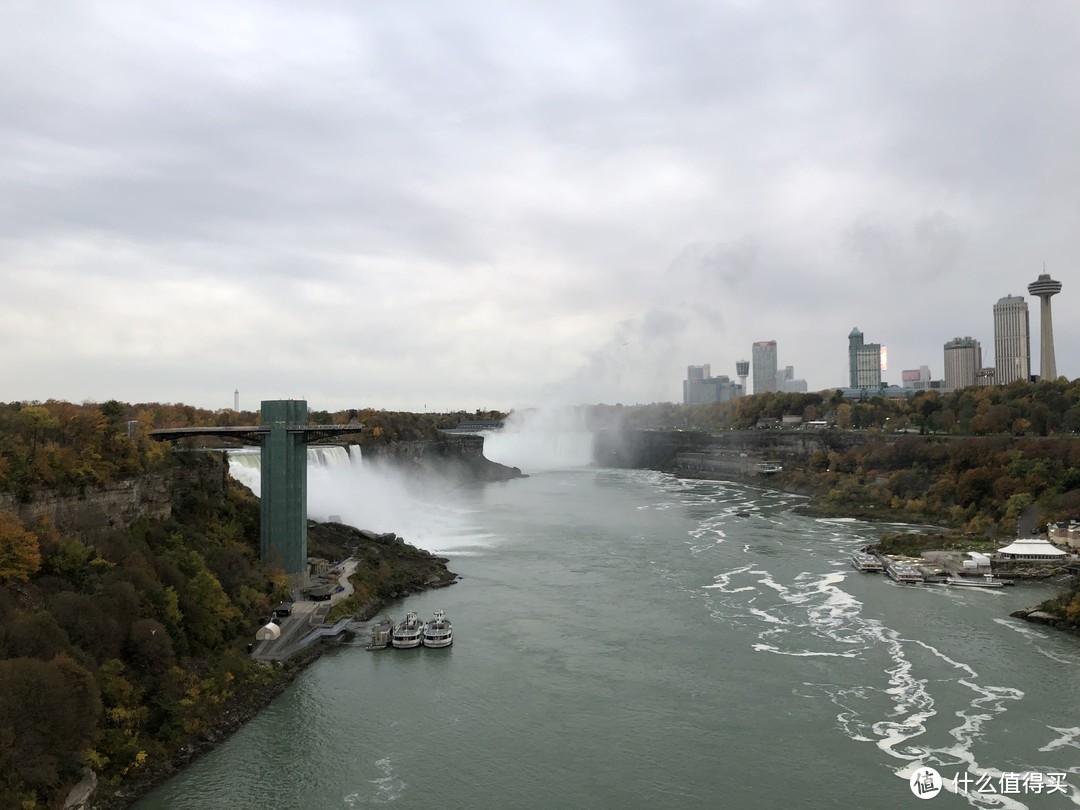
1032	549
268	632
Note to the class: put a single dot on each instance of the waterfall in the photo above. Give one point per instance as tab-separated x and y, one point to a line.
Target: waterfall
369	497
245	465
542	439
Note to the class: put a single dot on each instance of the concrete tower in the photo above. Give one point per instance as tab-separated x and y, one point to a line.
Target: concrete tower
1045	287
283	532
742	371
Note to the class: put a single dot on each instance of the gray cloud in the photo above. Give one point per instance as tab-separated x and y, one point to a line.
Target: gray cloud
485	205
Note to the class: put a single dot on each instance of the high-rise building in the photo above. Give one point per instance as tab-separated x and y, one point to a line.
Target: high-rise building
1045	287
700	388
764	357
864	361
963	361
698	373
1012	340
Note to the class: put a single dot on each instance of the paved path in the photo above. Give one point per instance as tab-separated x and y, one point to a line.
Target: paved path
306	615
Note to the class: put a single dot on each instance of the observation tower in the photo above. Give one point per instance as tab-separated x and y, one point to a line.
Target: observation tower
742	371
1045	287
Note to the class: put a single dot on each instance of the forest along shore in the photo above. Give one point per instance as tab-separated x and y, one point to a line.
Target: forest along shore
388	569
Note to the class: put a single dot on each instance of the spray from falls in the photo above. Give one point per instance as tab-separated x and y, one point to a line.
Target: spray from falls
550	438
342	488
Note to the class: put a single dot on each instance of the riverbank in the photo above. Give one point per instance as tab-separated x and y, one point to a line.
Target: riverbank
1053	613
1037	616
389	569
235	712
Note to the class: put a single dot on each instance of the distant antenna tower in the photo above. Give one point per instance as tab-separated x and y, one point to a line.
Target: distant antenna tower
236	400
742	371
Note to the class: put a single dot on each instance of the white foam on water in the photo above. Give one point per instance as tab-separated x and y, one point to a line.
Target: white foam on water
388	787
800	653
722	582
766	616
1068	739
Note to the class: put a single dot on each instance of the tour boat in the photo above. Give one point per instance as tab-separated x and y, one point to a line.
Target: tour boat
866	562
408	633
439	632
987	581
904	573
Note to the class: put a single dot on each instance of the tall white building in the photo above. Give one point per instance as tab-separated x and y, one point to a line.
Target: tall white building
1012	340
963	361
864	361
764	360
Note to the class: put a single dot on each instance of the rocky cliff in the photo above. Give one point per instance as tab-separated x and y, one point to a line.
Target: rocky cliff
87	513
457	457
723	453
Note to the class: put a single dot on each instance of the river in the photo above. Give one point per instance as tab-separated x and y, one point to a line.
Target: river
627	639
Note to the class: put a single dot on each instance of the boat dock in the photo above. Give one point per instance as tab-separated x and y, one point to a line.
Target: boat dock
951	568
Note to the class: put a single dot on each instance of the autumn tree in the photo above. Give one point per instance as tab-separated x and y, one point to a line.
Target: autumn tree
20	556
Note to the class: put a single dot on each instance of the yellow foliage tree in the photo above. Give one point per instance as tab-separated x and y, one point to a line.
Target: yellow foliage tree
20	555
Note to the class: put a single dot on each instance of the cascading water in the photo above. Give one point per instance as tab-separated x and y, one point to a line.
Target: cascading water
341	487
542	439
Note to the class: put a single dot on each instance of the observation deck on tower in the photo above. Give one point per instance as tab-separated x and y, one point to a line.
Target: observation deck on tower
1044	286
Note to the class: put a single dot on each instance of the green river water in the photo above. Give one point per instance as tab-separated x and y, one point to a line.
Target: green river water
626	639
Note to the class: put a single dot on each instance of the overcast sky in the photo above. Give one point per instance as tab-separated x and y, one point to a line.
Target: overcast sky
467	204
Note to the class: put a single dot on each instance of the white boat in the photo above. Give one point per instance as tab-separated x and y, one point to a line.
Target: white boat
987	581
439	632
904	573
862	561
408	633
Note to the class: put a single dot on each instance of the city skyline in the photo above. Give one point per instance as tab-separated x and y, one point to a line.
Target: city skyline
501	206
962	361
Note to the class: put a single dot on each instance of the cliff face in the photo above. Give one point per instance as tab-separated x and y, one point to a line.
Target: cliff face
85	515
458	457
731	452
